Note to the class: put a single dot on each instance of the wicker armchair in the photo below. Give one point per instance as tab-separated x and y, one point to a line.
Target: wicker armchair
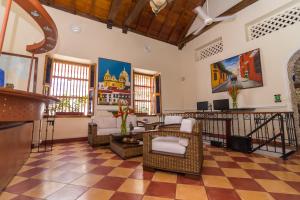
189	163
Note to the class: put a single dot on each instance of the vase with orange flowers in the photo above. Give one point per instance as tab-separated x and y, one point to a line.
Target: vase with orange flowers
123	112
233	92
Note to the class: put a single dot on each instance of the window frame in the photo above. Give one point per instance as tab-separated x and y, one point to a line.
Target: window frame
153	94
90	87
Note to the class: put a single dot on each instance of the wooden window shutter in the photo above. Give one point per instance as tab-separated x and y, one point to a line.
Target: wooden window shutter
157	78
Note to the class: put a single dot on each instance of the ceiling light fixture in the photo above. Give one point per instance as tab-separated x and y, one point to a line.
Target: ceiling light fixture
158	5
76	29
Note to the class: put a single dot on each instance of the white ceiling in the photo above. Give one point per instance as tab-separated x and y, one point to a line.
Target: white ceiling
215	8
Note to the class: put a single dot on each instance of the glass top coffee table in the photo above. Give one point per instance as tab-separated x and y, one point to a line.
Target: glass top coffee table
126	150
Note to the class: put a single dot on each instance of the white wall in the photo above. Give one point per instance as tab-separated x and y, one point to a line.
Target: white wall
94	41
276	49
184	81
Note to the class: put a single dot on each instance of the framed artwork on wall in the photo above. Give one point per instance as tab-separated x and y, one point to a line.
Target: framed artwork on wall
16	72
244	69
114	82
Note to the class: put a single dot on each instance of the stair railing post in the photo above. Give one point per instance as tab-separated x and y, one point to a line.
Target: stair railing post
282	136
228	132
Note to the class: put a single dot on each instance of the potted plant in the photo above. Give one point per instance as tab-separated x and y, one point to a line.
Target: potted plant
233	92
123	112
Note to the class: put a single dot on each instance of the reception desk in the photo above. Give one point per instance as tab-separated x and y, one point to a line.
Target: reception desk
18	111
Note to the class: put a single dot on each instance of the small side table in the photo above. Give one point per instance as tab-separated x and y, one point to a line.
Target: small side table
125	150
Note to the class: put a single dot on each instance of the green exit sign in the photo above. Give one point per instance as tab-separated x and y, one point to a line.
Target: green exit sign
277	98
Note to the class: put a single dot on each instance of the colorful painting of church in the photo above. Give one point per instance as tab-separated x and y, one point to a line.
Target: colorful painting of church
114	81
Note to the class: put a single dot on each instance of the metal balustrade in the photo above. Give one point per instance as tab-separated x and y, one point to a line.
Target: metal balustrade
269	131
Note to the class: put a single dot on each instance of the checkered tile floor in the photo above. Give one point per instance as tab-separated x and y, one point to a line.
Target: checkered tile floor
76	171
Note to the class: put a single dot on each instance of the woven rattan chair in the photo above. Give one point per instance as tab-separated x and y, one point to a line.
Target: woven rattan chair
189	163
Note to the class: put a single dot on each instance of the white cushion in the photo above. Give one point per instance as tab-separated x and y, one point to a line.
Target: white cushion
130	118
108	131
168	146
138	129
184	142
166	139
187	125
106	122
173	119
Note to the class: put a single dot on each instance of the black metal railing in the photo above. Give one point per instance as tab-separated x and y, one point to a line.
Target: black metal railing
269	131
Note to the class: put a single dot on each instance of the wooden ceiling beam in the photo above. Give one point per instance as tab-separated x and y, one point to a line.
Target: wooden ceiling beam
178	19
238	7
114	9
166	19
140	5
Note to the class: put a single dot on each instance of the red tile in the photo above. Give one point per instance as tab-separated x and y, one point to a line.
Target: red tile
110	183
43	155
130	164
67	147
101	170
279	196
221	194
116	157
295	185
67	153
96	161
181	179
207	157
126	196
260	174
37	162
273	167
226	164
92	154
67	166
255	155
32	172
167	190
245	184
22	197
218	153
212	171
241	159
67	158
23	186
142	175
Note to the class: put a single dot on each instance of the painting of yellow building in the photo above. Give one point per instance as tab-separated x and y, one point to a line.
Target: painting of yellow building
220	76
114	82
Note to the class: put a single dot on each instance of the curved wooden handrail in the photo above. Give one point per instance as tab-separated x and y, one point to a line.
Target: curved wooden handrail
43	19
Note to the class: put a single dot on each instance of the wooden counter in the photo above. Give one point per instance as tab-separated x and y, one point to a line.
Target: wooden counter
18	111
17	105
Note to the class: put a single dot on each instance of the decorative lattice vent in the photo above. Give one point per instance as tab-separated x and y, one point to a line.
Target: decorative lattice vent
212	48
281	18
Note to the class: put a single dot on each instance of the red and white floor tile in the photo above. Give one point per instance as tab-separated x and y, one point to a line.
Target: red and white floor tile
77	171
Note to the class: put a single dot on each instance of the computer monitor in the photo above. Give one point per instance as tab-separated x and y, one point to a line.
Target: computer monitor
221	104
203	105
